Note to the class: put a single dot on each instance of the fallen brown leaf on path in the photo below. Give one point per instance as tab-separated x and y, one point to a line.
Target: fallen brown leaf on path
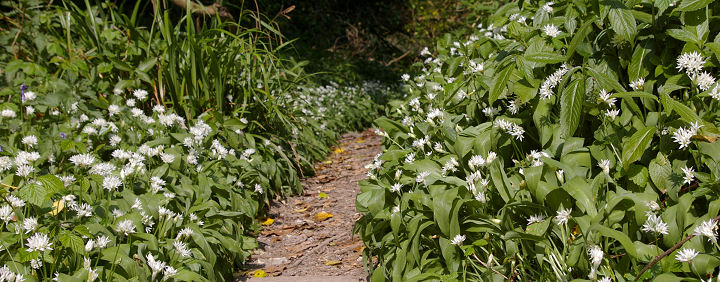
268	222
332	262
322	216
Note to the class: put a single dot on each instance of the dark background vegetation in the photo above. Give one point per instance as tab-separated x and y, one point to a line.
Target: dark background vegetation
368	39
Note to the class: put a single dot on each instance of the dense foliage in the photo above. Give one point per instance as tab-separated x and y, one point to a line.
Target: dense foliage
560	140
150	153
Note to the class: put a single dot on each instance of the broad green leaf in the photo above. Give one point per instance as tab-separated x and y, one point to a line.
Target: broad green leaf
582	193
660	171
546	57
606	81
692	5
636	145
500	83
571	107
33	193
617	235
622	20
637	68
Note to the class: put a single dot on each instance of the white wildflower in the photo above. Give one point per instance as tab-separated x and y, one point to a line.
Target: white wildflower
686	255
458	240
38	242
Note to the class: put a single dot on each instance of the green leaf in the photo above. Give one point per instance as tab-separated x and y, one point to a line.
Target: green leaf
606	81
692	5
33	193
637	68
617	235
500	83
660	171
571	107
582	193
73	242
546	57
681	34
622	20
51	183
636	145
634	94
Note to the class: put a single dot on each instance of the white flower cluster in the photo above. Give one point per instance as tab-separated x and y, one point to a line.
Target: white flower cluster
546	89
510	128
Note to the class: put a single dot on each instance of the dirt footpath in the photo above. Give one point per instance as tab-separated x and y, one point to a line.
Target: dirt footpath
312	234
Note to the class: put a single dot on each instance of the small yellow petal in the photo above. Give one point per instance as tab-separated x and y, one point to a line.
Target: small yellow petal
268	221
322	216
259	274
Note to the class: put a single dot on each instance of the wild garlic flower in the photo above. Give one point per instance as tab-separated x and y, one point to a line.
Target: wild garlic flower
682	136
5	163
704	80
652	205
458	240
480	197
425	52
596	256
82	159
707	229
476	161
185	232
181	248
7	113
690	62
606	97
258	188
111	183
605	279
551	30
155	265
169	272
30	141
24	170
410	158
605	166
686	255
510	128
637	84
490	111
140	94
612	113
451	165
689	174
15	202
395	187
38	242
655	224
514	106
125	227
113	110
538	218
421	177
30	224
546	89
548	7
563	215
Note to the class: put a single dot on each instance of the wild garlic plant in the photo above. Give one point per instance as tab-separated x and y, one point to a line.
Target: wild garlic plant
601	120
118	186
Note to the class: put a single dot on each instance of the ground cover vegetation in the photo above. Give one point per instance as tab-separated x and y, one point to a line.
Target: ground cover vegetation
557	141
148	150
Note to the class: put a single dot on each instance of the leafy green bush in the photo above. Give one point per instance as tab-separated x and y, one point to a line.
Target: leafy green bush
559	141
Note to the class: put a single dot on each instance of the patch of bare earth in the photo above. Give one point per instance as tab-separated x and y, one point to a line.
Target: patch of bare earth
303	240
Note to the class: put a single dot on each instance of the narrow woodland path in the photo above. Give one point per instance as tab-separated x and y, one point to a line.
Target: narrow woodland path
304	240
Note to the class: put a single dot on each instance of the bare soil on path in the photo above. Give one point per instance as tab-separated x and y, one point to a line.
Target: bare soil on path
312	233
